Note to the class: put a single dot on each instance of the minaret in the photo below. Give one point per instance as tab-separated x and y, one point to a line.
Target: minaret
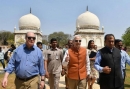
14	28
87	8
102	28
30	10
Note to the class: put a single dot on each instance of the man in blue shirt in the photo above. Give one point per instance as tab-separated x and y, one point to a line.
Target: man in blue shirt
108	63
27	61
124	57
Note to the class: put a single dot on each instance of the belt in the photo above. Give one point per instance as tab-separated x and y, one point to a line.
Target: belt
26	79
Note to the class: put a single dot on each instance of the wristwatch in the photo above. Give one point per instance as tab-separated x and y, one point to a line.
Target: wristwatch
42	80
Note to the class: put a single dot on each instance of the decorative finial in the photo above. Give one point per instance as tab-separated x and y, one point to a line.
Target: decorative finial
30	9
102	28
87	8
14	28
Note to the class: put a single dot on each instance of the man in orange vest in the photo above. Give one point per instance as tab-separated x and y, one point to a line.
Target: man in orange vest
78	64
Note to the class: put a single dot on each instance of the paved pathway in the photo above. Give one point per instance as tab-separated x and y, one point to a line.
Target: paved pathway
62	84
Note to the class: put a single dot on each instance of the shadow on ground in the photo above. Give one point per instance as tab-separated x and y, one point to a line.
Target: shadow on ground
127	69
127	85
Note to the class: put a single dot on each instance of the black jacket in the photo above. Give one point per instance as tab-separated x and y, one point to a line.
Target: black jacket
113	60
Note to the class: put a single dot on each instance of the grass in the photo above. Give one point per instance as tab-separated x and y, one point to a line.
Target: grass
10	81
127	80
12	77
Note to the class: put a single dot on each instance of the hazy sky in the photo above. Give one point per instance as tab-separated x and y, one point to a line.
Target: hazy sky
61	15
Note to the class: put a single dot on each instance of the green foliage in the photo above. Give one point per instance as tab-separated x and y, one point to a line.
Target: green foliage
45	42
126	37
61	37
6	37
20	41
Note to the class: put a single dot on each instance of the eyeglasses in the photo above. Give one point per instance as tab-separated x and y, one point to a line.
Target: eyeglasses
77	40
31	38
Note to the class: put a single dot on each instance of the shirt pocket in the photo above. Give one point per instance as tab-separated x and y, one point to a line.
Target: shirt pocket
50	56
18	58
34	60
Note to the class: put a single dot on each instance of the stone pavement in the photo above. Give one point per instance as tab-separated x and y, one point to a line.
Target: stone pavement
62	84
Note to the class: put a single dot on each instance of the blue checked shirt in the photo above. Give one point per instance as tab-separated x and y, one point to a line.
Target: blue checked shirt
125	58
26	62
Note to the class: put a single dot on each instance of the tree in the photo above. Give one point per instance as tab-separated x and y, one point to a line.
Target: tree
20	41
61	37
45	42
6	37
126	37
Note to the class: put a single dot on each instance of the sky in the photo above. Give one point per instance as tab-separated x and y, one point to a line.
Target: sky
61	15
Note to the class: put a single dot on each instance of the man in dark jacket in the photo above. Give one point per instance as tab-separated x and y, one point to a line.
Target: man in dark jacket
108	63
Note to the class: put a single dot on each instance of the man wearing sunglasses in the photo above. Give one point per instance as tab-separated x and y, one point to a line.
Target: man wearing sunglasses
78	64
125	58
27	61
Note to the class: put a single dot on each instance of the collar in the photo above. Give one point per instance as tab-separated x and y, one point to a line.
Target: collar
25	47
54	49
75	49
122	51
111	50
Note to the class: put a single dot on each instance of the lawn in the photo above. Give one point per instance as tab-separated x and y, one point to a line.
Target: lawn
127	81
12	77
10	81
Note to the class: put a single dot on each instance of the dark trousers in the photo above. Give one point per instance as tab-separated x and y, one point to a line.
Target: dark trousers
2	62
106	87
124	74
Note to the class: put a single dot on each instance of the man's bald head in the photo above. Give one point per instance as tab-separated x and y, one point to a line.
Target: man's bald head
30	39
29	33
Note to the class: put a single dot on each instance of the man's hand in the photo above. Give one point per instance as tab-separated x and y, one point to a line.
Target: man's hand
67	58
4	82
47	74
63	72
106	70
87	78
42	85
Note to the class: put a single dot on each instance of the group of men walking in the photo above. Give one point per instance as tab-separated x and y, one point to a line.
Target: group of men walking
32	65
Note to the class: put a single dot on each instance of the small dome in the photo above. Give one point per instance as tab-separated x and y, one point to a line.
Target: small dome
87	20
30	22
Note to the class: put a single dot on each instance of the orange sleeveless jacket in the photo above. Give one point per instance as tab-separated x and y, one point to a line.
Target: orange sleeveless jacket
77	64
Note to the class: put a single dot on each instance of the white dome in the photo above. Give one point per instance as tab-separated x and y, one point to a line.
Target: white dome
87	20
29	22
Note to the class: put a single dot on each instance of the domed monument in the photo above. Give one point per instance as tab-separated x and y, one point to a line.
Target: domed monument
27	23
87	25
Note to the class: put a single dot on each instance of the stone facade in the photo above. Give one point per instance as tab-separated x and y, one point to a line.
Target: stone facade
27	23
20	36
87	25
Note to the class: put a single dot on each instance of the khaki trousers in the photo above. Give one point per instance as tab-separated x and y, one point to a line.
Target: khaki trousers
54	81
30	84
73	84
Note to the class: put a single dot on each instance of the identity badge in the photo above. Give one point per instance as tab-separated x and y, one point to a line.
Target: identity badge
57	57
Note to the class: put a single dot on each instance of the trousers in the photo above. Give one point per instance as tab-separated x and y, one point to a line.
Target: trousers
73	84
30	84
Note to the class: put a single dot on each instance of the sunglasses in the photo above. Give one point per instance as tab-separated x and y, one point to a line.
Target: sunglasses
77	40
31	38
